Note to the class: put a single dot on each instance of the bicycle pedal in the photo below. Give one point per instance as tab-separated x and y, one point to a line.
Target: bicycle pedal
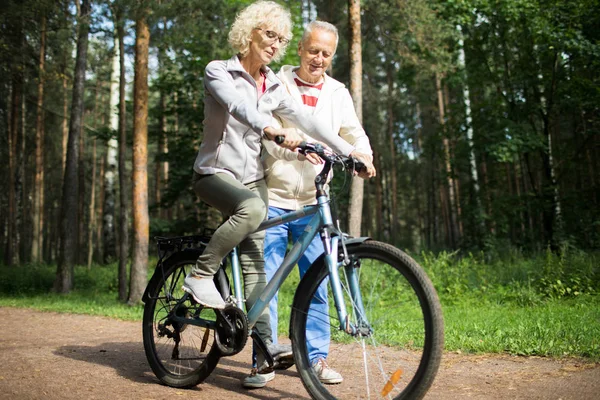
283	363
261	347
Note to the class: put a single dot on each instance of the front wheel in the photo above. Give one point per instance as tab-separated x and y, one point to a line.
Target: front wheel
393	304
180	355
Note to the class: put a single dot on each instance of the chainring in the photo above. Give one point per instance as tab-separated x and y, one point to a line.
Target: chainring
231	333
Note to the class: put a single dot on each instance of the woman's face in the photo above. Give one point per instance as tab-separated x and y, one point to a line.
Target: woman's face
264	44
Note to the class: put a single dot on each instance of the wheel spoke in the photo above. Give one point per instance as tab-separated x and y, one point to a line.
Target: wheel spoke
397	303
180	354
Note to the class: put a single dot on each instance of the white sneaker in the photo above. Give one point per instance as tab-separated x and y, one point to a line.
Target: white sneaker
256	380
325	374
204	291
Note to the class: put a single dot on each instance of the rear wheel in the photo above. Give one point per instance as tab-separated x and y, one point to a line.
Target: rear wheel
180	355
398	350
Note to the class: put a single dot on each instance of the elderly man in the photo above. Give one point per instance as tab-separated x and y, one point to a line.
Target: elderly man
290	179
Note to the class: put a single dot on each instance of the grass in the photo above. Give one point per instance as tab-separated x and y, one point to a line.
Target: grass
78	303
544	305
555	328
95	292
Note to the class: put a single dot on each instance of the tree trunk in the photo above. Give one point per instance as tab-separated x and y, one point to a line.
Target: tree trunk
377	162
553	223
108	217
451	198
488	194
357	187
38	190
139	263
521	216
162	166
123	220
5	129
13	133
20	189
100	221
469	122
511	195
81	200
92	204
64	272
176	114
92	209
392	150
591	175
551	153
65	123
432	230
455	188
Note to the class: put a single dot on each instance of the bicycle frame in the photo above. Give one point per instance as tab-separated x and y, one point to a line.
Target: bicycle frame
322	222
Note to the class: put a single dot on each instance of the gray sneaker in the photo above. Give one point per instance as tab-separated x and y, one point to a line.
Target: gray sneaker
256	380
204	291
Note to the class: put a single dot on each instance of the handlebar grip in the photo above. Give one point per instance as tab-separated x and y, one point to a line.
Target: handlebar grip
360	167
279	139
354	164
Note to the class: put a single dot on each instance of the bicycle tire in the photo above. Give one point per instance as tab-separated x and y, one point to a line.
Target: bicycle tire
190	360
404	349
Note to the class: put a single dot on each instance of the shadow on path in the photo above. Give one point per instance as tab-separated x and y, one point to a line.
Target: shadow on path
129	361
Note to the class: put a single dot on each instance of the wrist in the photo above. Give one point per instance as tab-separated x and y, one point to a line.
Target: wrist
268	133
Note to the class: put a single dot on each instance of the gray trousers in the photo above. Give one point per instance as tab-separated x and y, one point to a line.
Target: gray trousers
245	207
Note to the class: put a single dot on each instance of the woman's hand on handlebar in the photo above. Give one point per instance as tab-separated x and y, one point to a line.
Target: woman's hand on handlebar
285	137
366	159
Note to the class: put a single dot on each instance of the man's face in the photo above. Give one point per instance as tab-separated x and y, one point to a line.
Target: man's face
316	54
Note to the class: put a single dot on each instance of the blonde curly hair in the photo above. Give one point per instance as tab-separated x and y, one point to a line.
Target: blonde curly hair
267	15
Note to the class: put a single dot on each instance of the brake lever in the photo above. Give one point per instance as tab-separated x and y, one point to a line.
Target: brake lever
355	165
316	148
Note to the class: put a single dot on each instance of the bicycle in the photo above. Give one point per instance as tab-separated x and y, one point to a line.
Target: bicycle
385	316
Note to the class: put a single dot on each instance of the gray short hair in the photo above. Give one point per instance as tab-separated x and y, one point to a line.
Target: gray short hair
325	26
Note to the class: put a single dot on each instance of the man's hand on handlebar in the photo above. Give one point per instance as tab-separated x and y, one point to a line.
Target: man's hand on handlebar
311	158
285	137
366	159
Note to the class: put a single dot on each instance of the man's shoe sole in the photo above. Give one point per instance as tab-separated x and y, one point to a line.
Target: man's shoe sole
332	381
283	361
255	385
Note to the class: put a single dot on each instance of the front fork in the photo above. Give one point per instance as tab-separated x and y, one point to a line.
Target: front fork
330	242
360	325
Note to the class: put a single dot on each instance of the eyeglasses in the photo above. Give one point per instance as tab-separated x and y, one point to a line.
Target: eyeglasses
273	36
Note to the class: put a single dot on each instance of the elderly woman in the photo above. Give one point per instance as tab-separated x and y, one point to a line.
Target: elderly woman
241	96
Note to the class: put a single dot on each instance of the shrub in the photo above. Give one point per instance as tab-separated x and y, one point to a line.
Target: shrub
569	273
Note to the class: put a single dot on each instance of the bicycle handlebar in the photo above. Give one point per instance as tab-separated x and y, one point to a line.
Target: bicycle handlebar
348	163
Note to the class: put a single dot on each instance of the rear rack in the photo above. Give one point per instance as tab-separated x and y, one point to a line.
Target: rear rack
169	245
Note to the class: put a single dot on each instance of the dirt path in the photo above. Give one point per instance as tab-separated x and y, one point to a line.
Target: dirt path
65	356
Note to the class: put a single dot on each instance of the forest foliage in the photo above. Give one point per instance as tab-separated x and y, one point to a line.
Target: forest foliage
483	115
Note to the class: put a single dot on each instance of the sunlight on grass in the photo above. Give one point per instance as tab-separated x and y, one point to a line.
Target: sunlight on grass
545	305
554	328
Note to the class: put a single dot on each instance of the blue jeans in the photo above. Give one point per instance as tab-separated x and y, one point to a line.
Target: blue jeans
317	324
